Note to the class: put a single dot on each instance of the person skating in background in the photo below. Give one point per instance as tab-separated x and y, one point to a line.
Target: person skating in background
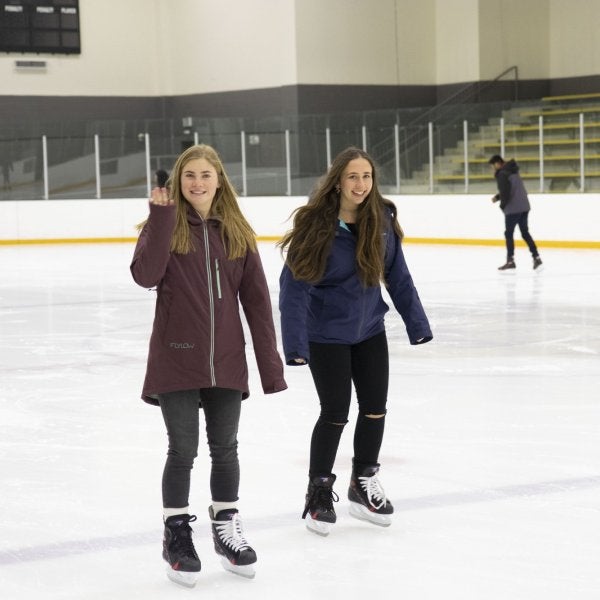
200	253
346	242
514	203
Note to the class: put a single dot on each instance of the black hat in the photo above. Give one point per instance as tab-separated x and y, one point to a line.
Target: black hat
496	159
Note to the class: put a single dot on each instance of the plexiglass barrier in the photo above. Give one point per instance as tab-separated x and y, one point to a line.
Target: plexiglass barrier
417	151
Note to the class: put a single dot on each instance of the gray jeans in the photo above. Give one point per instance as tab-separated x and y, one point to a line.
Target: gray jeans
180	411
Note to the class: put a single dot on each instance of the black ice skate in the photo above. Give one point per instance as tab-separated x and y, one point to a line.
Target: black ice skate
318	510
179	552
510	264
367	498
228	536
537	262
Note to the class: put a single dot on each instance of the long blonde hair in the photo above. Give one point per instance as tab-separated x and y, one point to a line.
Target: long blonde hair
237	234
309	242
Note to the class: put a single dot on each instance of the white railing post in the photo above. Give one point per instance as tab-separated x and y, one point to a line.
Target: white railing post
541	128
148	172
328	145
196	138
97	161
244	181
502	144
397	155
581	153
288	166
430	132
466	153
45	166
364	138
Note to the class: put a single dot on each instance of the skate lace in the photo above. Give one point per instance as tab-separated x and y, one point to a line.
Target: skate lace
322	497
182	538
231	533
374	490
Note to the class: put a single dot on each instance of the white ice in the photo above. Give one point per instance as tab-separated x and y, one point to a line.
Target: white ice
491	454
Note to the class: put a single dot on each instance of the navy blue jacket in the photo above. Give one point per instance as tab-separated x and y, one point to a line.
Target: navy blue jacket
339	309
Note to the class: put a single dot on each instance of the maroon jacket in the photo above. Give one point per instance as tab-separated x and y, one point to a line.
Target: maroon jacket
197	338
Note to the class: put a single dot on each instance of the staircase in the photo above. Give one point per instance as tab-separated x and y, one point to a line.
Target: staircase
570	126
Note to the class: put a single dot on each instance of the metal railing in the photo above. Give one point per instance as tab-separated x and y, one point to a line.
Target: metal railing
280	156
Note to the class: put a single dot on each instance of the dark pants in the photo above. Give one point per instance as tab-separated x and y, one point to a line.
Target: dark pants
511	221
334	368
180	411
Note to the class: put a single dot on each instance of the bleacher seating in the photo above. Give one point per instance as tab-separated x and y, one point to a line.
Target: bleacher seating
561	145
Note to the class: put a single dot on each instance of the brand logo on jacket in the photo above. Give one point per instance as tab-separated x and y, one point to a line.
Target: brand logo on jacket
181	345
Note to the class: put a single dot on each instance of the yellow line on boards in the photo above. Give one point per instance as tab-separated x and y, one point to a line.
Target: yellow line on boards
274	238
268	238
481	242
67	241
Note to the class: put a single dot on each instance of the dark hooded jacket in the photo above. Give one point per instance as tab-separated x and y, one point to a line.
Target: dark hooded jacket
197	338
511	190
339	309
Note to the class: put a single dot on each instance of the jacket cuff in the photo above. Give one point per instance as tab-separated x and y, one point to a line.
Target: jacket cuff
421	339
290	359
279	386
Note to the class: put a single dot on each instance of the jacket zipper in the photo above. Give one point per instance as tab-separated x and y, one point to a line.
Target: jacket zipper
212	308
361	319
218	276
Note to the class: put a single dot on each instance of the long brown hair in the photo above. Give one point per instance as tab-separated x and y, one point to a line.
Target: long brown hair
309	242
237	234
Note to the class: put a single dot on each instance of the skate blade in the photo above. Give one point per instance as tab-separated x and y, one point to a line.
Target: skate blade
246	571
184	578
358	511
319	527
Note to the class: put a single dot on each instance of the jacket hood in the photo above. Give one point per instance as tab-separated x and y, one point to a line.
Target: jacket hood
510	166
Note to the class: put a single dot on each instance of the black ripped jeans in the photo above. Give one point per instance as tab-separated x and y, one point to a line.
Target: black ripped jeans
180	411
335	367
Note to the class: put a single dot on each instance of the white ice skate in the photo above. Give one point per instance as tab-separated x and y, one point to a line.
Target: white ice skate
229	541
367	498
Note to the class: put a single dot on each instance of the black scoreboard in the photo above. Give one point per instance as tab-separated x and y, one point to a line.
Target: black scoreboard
40	26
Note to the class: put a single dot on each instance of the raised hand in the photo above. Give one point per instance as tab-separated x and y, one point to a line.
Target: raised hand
160	197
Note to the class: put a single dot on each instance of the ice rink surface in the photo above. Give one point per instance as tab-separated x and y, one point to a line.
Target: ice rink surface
491	454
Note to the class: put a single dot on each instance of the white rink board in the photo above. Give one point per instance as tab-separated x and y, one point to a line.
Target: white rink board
554	217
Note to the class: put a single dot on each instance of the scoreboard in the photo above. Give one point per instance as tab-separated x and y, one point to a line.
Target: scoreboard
40	26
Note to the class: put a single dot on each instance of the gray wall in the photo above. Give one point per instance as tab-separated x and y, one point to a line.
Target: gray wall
155	58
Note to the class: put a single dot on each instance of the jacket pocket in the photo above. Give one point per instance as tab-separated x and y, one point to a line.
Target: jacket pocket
218	278
162	315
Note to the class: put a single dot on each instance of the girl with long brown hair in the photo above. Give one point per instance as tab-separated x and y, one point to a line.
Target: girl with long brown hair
199	252
345	243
